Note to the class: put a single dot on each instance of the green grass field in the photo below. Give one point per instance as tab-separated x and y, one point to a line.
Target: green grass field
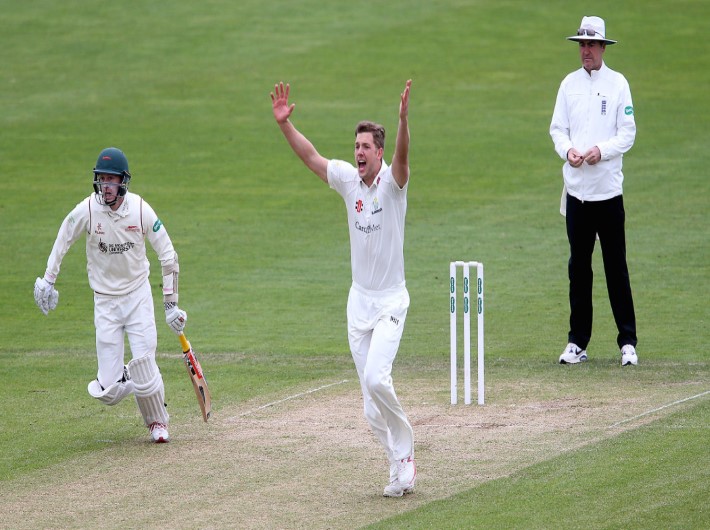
183	88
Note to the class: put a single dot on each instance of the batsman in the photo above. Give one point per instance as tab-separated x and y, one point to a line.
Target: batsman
116	224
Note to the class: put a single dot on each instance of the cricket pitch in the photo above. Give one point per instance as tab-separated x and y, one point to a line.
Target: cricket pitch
308	460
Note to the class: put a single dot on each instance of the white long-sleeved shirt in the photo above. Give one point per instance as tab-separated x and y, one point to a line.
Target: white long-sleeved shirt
594	110
376	222
116	260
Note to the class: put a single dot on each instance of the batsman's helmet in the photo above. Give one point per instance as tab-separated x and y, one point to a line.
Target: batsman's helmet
111	161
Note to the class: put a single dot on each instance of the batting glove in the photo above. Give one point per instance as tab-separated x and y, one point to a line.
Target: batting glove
46	296
175	317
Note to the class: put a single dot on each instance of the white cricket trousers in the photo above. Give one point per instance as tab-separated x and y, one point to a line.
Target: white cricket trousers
375	324
132	314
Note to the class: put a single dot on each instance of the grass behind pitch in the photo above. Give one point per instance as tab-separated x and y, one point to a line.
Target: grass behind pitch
183	89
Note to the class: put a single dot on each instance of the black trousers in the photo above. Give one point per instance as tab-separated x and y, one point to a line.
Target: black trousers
584	221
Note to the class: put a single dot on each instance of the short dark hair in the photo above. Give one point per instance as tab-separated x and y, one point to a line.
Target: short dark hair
377	130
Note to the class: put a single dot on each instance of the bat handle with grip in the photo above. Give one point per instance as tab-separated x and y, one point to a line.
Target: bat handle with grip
185	344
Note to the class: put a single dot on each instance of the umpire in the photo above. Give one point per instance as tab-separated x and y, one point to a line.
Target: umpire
592	127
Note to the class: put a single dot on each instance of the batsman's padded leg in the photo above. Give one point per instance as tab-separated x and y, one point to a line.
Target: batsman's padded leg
113	394
149	389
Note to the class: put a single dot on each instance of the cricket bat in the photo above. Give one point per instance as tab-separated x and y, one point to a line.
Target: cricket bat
194	370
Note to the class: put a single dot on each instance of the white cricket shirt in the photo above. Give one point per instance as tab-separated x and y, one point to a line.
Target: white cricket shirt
376	223
594	110
116	259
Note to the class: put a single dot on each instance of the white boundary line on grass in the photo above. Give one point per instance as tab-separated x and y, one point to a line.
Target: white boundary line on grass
295	396
657	409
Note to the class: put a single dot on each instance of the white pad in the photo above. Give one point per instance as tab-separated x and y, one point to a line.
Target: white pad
149	389
113	394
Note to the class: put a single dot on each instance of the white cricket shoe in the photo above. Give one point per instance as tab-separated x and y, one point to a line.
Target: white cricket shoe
403	474
573	354
393	489
407	474
159	432
628	355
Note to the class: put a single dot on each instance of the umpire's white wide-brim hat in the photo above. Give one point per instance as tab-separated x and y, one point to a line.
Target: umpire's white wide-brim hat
592	28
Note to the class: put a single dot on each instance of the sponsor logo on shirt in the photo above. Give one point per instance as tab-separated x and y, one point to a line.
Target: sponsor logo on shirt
359	206
395	320
115	248
133	228
367	229
629	110
157	225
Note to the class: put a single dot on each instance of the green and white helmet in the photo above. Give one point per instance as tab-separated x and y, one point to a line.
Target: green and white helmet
111	161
